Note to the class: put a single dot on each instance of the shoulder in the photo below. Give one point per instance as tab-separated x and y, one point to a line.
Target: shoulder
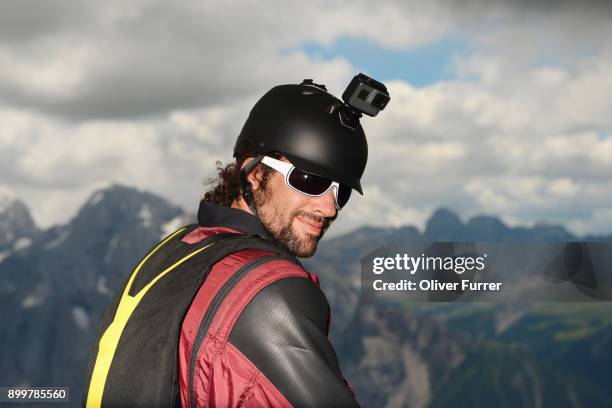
287	310
291	296
278	286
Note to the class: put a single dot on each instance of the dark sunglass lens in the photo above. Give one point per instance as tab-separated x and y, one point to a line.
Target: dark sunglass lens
344	193
308	183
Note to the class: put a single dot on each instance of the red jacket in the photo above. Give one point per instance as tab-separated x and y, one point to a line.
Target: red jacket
267	344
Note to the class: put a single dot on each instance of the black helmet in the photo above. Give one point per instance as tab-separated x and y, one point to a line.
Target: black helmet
316	131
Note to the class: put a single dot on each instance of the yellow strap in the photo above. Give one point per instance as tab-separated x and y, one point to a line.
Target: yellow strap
110	338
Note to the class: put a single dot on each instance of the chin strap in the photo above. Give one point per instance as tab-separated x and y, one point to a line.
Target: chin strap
247	192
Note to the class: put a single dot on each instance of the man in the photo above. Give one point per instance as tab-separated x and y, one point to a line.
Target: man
251	324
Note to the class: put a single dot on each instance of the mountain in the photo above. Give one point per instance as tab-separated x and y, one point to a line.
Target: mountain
444	225
339	259
17	229
55	289
470	354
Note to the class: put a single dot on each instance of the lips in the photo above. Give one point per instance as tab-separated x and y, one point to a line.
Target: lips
311	225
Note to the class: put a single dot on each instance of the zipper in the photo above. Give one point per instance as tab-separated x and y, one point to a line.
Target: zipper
212	311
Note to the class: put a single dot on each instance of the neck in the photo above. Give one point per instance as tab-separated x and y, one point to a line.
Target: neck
240	204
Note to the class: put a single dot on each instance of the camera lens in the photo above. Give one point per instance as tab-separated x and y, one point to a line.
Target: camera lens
380	101
363	94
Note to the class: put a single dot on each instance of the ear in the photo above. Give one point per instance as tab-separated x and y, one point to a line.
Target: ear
255	176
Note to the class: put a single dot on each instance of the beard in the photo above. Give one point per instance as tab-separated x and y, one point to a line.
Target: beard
302	247
270	216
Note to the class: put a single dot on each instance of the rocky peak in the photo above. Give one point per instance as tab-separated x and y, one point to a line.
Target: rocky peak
125	208
444	225
488	228
16	224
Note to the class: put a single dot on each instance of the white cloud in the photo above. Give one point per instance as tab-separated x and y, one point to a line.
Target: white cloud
149	95
128	59
526	150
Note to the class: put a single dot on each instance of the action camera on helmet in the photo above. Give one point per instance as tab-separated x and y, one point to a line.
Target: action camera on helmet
366	95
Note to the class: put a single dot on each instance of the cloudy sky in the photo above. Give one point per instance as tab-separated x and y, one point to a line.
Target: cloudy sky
503	108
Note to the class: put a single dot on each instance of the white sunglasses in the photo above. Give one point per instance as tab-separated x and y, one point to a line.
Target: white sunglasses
309	184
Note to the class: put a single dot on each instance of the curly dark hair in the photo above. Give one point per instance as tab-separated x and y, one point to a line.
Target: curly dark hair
225	188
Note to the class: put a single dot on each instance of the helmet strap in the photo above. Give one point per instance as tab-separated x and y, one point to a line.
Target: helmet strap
247	191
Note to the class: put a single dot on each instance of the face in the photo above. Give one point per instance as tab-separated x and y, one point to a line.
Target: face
295	220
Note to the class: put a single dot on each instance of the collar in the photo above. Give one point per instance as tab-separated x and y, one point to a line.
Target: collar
213	215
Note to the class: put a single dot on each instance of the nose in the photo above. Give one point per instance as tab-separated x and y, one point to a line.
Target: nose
326	204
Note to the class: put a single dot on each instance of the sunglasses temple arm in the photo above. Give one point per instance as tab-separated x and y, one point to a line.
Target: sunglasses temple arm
247	192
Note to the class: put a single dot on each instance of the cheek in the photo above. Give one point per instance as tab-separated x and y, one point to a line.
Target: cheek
287	201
